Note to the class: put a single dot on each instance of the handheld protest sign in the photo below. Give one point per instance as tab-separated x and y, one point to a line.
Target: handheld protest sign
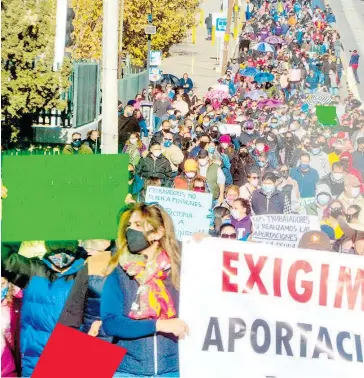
65	197
188	210
326	115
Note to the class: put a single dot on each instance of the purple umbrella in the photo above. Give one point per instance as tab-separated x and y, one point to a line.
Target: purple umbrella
270	103
273	40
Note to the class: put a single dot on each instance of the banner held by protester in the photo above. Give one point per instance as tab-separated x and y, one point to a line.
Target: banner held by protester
262	311
282	230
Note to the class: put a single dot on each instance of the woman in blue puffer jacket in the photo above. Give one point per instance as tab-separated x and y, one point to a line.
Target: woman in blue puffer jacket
139	302
46	285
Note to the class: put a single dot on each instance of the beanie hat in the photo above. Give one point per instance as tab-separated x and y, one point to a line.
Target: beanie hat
190	165
225	139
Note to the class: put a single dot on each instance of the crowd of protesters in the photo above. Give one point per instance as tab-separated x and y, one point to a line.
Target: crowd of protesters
254	141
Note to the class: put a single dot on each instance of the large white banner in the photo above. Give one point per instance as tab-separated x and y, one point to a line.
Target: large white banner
283	230
188	210
258	311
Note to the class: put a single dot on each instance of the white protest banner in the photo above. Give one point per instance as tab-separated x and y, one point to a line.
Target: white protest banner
189	210
283	230
259	311
231	129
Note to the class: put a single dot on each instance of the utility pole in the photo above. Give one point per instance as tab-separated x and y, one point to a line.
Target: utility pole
227	36
60	39
109	131
121	30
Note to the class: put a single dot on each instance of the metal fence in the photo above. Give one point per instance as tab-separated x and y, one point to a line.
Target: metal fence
83	99
86	93
130	85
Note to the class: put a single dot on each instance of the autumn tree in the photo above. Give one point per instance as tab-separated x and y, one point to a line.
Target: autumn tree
28	81
173	18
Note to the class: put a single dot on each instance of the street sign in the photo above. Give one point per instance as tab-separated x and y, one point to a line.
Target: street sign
221	24
155	58
219	21
150	18
150	29
154	74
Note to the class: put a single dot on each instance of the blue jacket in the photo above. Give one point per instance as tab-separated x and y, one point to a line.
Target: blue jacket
183	82
354	59
306	182
261	204
139	337
43	302
330	18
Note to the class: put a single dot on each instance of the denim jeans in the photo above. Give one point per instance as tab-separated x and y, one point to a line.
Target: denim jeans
126	375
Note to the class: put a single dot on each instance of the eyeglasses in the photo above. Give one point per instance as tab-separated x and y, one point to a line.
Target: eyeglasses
199	188
165	139
226	236
74	140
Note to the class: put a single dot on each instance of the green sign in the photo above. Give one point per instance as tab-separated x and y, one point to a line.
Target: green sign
326	115
65	197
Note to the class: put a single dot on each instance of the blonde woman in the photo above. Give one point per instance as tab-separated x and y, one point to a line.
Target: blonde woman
139	303
134	147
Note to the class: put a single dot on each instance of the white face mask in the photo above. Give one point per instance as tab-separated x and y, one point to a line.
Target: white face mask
235	214
355	192
157	153
133	141
338	176
190	174
254	182
203	162
260	147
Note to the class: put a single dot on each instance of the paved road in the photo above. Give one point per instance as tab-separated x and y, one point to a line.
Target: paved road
350	24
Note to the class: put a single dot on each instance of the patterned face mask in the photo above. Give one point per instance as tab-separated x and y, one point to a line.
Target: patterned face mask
61	260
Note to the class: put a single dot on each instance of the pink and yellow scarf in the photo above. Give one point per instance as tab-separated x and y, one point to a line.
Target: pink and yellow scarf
153	301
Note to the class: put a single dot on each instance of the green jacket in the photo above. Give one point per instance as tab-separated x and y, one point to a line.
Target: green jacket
83	150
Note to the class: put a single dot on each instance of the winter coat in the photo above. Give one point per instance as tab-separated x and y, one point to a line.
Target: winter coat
159	167
148	352
261	204
183	82
306	181
83	305
44	296
83	150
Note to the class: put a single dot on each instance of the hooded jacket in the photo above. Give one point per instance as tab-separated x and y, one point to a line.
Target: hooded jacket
261	204
44	295
351	169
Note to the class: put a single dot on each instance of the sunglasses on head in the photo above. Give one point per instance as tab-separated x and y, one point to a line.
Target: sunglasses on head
226	236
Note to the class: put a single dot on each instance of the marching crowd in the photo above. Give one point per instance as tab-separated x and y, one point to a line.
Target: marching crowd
255	142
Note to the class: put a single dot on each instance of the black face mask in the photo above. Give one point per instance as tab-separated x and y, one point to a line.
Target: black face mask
131	175
214	134
335	213
243	154
136	241
198	134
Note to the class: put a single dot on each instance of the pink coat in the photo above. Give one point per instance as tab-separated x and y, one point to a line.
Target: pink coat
9	317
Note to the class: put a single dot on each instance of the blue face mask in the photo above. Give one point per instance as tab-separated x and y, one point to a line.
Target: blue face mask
268	188
4	292
261	163
273	125
167	143
316	151
304	166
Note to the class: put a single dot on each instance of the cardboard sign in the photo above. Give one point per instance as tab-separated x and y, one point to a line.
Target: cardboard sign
258	311
65	197
189	210
282	230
